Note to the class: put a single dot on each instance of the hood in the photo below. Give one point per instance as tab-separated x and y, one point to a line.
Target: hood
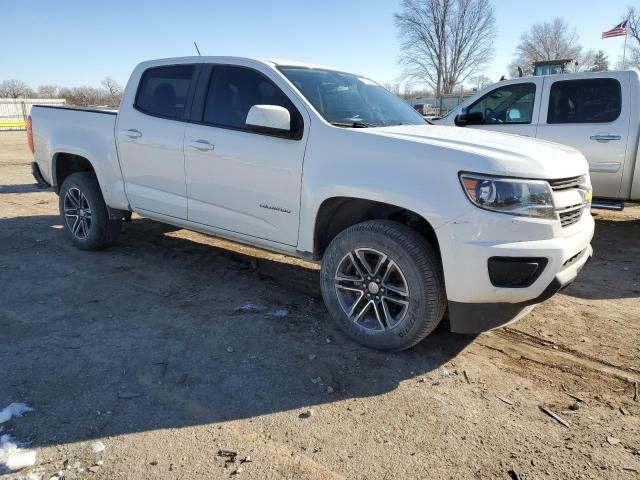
502	153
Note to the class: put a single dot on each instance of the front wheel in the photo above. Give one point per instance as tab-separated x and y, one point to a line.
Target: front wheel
382	282
85	217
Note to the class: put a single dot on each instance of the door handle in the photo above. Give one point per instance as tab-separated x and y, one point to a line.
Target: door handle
202	145
605	137
133	133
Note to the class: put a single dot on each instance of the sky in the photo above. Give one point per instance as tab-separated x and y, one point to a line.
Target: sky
79	42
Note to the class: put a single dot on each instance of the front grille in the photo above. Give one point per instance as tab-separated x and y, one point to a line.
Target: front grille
566	183
570	215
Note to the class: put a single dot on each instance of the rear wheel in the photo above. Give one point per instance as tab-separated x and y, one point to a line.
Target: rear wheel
84	214
382	283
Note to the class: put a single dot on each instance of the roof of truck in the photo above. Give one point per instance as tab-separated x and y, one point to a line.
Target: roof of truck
273	62
295	63
222	58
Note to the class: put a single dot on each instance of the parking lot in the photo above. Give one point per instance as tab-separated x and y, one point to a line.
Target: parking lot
191	357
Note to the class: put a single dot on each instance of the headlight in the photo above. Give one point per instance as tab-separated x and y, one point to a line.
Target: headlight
527	198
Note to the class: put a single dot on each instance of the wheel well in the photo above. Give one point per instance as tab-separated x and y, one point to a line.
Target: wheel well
339	213
68	163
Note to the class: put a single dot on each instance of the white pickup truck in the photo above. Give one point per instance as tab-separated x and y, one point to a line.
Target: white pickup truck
597	113
408	219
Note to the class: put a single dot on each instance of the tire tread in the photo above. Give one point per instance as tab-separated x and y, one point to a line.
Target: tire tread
107	230
421	253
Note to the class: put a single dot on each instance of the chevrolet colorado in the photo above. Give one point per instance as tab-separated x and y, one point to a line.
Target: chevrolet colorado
409	220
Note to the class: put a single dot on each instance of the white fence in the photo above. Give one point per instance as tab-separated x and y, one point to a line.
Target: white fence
14	111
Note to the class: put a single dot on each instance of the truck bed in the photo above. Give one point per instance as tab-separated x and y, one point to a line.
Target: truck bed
107	110
87	132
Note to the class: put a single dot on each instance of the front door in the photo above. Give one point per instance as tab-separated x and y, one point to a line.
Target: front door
151	141
589	114
511	108
238	180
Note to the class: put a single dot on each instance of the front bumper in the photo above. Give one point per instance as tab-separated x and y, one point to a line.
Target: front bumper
480	317
467	244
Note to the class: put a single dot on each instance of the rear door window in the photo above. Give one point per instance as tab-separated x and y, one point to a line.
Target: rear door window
164	91
597	100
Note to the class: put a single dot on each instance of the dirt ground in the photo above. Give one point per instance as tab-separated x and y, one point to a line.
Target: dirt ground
145	347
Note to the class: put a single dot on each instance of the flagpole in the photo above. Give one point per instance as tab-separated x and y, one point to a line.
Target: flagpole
624	52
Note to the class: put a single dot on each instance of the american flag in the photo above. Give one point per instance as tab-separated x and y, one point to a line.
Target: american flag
619	30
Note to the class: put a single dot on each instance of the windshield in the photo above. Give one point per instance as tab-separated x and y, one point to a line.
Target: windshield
347	100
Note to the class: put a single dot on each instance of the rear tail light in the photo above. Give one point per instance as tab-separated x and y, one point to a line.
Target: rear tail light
30	135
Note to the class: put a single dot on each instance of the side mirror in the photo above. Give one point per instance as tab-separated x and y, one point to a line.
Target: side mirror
514	115
462	119
270	119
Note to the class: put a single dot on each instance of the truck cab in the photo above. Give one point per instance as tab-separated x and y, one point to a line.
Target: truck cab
593	112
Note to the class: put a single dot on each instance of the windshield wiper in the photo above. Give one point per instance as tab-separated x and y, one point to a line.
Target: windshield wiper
353	124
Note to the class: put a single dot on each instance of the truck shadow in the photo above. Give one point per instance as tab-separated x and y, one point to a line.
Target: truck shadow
167	331
614	271
23	188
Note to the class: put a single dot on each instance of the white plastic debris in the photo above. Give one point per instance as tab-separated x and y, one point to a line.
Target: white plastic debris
97	447
280	312
32	475
12	457
14	410
250	307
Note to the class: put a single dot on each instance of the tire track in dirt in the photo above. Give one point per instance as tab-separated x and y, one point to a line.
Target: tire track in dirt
520	345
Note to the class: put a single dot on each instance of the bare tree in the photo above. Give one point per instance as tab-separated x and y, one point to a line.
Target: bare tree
84	96
546	41
479	81
633	48
15	89
113	87
110	94
586	60
48	91
443	42
392	87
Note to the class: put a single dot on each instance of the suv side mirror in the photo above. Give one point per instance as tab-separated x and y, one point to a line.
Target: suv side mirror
462	119
270	119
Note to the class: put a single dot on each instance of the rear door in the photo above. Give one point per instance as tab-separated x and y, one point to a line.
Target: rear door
588	113
510	108
150	135
238	180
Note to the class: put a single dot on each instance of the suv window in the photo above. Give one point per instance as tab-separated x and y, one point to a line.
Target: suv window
164	91
598	100
234	90
508	104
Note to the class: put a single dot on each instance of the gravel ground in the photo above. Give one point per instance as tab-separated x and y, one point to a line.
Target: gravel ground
146	347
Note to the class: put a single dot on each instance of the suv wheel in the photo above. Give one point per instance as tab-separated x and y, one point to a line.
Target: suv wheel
382	283
84	214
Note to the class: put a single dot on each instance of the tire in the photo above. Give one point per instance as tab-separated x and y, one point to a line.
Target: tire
410	272
84	214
